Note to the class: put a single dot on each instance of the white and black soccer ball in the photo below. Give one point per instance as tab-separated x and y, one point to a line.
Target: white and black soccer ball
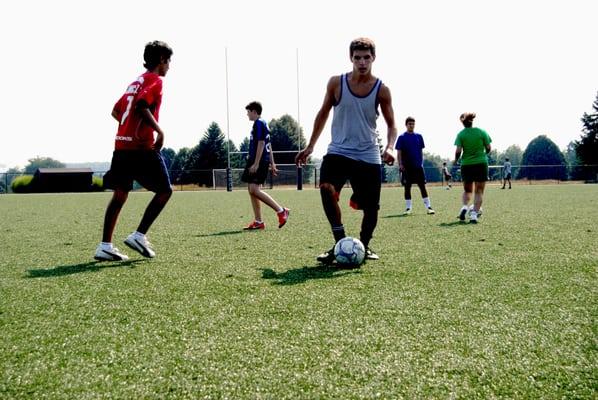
349	252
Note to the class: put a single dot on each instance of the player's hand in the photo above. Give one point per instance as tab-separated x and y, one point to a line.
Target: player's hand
274	169
253	169
301	157
388	157
401	167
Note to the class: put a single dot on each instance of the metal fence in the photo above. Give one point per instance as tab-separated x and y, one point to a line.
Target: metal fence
288	176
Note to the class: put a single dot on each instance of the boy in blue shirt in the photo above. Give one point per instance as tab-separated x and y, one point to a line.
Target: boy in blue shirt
411	164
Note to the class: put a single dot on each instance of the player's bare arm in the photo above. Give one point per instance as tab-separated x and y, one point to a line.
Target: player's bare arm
149	119
273	167
389	116
458	151
258	156
332	93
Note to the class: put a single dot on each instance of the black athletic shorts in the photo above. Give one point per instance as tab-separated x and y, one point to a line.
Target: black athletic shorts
508	176
365	179
474	173
411	176
144	166
260	175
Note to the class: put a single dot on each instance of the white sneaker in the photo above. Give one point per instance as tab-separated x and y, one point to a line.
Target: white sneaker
141	245
407	212
113	254
473	217
431	211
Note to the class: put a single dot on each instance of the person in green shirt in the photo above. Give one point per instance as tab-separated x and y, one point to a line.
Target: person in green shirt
472	146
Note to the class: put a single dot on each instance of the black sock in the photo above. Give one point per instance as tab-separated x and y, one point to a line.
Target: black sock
338	232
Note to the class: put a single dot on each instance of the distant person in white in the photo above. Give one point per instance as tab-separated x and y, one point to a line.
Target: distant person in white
506	173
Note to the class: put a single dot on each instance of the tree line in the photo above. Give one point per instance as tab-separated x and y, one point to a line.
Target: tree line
194	165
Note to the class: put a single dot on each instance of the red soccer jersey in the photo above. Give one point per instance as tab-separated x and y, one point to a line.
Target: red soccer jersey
133	133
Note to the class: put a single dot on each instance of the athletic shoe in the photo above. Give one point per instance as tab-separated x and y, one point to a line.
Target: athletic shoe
112	254
370	255
462	214
407	211
254	226
326	258
283	216
473	217
431	211
141	245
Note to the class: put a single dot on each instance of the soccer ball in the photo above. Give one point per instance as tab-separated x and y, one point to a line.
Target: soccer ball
349	252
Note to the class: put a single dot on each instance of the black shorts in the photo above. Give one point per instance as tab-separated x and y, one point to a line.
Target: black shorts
144	166
260	175
474	173
409	176
365	179
508	176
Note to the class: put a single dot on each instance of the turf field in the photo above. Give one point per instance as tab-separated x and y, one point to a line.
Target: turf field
503	309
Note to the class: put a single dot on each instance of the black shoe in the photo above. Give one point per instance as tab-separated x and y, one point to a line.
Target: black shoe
462	214
370	255
327	258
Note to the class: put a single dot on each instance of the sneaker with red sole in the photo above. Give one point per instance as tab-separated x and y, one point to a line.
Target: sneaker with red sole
283	216
255	226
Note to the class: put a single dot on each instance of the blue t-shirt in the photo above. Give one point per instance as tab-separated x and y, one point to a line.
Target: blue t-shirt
259	131
411	146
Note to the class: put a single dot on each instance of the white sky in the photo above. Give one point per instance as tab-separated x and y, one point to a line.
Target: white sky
526	67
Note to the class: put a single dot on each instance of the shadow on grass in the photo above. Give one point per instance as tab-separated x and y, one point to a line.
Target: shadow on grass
396	216
452	224
301	275
223	233
91	266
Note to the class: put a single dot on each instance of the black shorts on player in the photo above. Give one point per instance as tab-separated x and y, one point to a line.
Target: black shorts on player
474	173
413	176
144	166
260	175
365	179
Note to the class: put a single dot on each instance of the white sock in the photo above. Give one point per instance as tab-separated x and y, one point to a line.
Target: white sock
408	203
259	221
106	245
427	202
280	210
465	207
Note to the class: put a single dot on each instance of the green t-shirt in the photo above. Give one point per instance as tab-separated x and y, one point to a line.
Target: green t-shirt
474	142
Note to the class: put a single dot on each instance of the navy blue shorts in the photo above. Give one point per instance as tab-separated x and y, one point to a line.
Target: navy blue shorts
144	166
365	179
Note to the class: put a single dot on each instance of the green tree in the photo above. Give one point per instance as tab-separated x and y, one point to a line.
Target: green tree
209	154
177	168
587	146
42	162
286	135
513	153
573	162
543	160
433	167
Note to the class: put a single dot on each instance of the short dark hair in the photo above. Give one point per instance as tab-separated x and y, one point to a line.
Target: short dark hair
506	158
254	106
409	119
155	52
362	43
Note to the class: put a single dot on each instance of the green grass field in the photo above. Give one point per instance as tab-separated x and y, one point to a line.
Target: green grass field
503	309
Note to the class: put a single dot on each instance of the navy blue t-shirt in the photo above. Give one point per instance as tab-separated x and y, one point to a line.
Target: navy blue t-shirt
259	131
411	146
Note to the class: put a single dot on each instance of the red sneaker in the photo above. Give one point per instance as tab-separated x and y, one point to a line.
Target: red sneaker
255	225
283	216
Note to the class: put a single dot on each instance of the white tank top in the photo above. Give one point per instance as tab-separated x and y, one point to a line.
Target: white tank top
354	125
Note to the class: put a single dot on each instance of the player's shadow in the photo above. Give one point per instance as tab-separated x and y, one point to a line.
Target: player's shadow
453	224
223	233
301	275
396	216
92	266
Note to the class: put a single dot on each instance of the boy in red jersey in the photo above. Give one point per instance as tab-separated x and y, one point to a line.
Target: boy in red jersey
137	154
